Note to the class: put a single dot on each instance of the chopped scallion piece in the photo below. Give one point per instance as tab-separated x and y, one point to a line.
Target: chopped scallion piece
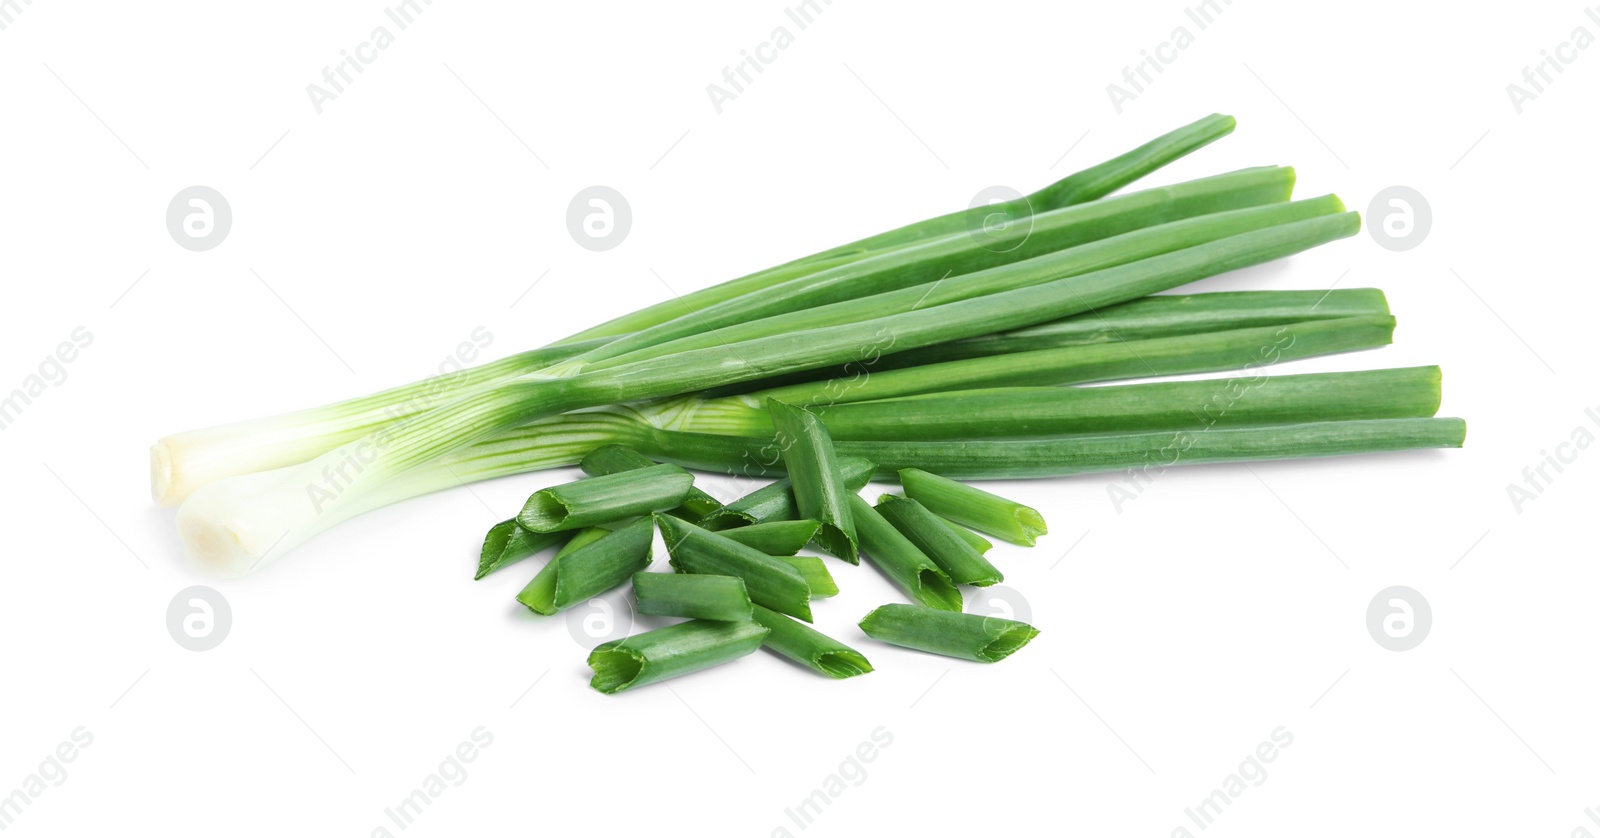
597	561
813	467
808	647
963	564
901	561
509	542
776	538
973	507
972	637
769	581
671	651
602	500
977	542
815	570
693	595
612	459
775	501
583	538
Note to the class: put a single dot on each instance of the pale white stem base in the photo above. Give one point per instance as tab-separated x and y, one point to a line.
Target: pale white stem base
238	525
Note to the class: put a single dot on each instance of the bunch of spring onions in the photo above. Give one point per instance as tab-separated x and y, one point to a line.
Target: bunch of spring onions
951	346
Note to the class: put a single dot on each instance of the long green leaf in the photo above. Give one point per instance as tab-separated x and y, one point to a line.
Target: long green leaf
214	517
1071	241
942	287
1160	316
1182	355
1249	398
1088	185
1143	451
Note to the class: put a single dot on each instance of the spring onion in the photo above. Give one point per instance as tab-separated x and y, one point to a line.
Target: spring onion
692	595
811	648
183	462
601	500
776	538
1162	316
1082	187
582	538
815	571
509	542
613	459
1082	364
769	581
564	440
963	564
1244	399
901	561
972	637
1065	243
819	491
602	560
775	501
236	524
945	350
1147	318
1090	184
970	506
671	651
973	540
1153	451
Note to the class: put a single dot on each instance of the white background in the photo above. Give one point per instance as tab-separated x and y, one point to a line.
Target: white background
1225	602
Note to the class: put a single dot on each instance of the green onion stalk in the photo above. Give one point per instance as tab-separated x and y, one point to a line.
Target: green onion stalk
1082	187
1101	234
563	441
1245	400
1163	315
182	462
237	523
